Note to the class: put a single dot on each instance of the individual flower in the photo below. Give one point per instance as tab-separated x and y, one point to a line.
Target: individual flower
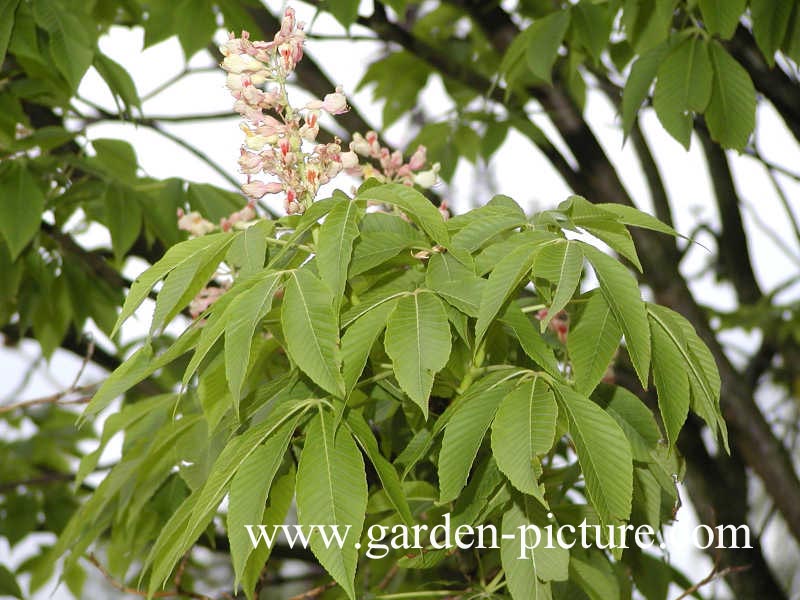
194	223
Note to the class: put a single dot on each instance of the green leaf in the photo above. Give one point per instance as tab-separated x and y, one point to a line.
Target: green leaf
345	11
281	495
603	453
248	495
506	276
418	342
683	85
594	574
312	335
335	246
123	217
118	80
249	250
672	383
192	517
7	10
418	208
698	363
647	22
635	419
8	583
386	471
770	20
530	571
375	248
122	379
592	343
560	262
455	283
463	435
621	292
246	311
69	50
530	339
523	429
332	490
593	23
21	206
722	16
637	87
544	38
177	256
184	282
358	340
731	113
638	218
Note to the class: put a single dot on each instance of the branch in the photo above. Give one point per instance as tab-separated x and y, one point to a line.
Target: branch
734	253
58	398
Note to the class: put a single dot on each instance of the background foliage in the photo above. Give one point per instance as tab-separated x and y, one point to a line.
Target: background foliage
705	68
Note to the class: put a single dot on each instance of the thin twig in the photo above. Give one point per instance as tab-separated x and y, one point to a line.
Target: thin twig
313	593
714	575
133	591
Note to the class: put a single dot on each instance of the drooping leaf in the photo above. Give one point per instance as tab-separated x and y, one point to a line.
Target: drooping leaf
604	455
770	19
621	293
358	340
524	428
335	246
386	471
312	335
672	383
529	339
683	86
731	113
592	343
418	342
249	490
332	489
722	16
637	87
246	311
21	206
544	38
463	435
503	280
178	255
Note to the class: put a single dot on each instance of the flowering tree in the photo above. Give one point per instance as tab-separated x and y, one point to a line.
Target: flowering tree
367	358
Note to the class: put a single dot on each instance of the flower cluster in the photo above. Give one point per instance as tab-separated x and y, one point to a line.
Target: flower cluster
196	225
281	140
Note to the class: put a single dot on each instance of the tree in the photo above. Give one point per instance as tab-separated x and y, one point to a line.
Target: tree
430	331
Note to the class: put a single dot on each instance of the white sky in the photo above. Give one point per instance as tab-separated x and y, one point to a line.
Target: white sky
518	171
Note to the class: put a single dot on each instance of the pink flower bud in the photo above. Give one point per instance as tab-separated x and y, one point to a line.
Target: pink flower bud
258	189
349	160
418	159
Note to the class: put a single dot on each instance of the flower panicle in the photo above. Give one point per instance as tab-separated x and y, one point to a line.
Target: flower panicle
281	140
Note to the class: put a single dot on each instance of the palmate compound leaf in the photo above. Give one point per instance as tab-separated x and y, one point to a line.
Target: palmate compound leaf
332	490
529	575
592	343
418	342
604	454
524	428
311	330
621	292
